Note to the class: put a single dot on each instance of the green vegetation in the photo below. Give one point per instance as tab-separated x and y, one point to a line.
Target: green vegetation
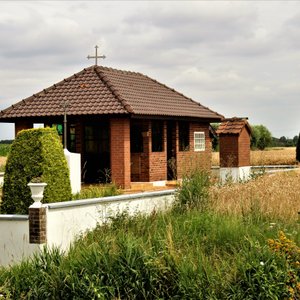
194	191
177	255
261	137
285	141
35	153
97	192
4	149
188	253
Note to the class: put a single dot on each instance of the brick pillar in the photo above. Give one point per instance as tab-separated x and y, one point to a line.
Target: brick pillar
37	225
145	156
120	151
20	125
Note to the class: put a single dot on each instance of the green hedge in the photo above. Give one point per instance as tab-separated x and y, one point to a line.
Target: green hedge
35	153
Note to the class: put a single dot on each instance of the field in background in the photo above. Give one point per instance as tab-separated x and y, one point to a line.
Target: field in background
272	196
270	156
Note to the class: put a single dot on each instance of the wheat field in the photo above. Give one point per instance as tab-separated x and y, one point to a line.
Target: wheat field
275	195
270	156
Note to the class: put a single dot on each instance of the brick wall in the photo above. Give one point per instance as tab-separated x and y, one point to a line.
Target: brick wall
37	225
235	149
244	148
120	151
158	160
190	160
152	166
228	150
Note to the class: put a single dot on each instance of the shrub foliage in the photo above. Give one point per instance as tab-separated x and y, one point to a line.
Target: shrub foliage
35	153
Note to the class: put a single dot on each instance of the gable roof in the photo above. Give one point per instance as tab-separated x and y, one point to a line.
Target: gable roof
233	126
100	90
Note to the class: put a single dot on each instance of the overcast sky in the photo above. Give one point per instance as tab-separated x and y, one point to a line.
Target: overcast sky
239	58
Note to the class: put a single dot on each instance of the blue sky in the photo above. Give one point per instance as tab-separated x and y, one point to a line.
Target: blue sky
239	58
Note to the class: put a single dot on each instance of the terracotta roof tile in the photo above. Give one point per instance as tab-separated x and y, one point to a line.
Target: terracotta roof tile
101	90
233	126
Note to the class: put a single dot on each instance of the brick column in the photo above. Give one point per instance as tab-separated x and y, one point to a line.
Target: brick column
120	151
145	156
37	225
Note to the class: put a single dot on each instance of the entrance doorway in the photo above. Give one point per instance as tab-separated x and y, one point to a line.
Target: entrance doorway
96	157
171	151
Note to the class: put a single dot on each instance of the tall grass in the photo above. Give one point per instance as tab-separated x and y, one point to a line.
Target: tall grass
97	192
226	251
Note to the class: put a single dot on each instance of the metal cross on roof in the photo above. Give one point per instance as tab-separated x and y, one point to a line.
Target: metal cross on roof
96	56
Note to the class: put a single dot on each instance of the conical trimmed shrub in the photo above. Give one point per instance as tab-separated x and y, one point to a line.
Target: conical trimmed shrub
35	153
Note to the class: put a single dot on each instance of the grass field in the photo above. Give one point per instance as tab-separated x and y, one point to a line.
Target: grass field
270	156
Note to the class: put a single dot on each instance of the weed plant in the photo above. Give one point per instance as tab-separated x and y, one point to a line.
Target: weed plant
194	191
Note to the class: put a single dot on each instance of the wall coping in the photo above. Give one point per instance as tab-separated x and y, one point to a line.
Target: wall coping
14	217
103	200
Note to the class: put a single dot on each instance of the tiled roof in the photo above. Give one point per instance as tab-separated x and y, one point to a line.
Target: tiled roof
100	90
233	126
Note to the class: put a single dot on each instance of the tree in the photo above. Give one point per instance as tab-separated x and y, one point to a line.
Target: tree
295	140
261	137
298	149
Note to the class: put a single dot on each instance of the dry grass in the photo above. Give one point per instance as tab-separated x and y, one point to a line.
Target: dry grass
276	196
270	156
2	160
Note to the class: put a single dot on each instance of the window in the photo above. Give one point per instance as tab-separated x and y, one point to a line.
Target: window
199	141
72	138
184	136
157	136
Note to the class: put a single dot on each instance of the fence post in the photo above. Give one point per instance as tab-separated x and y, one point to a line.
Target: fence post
37	217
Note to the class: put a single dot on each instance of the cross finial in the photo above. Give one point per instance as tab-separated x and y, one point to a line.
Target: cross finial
96	55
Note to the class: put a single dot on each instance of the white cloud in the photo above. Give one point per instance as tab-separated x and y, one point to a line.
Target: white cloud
238	58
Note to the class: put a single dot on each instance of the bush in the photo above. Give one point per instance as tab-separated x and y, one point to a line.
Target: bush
4	149
35	153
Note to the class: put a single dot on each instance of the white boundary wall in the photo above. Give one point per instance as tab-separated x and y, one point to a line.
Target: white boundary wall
235	174
14	239
66	221
74	164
